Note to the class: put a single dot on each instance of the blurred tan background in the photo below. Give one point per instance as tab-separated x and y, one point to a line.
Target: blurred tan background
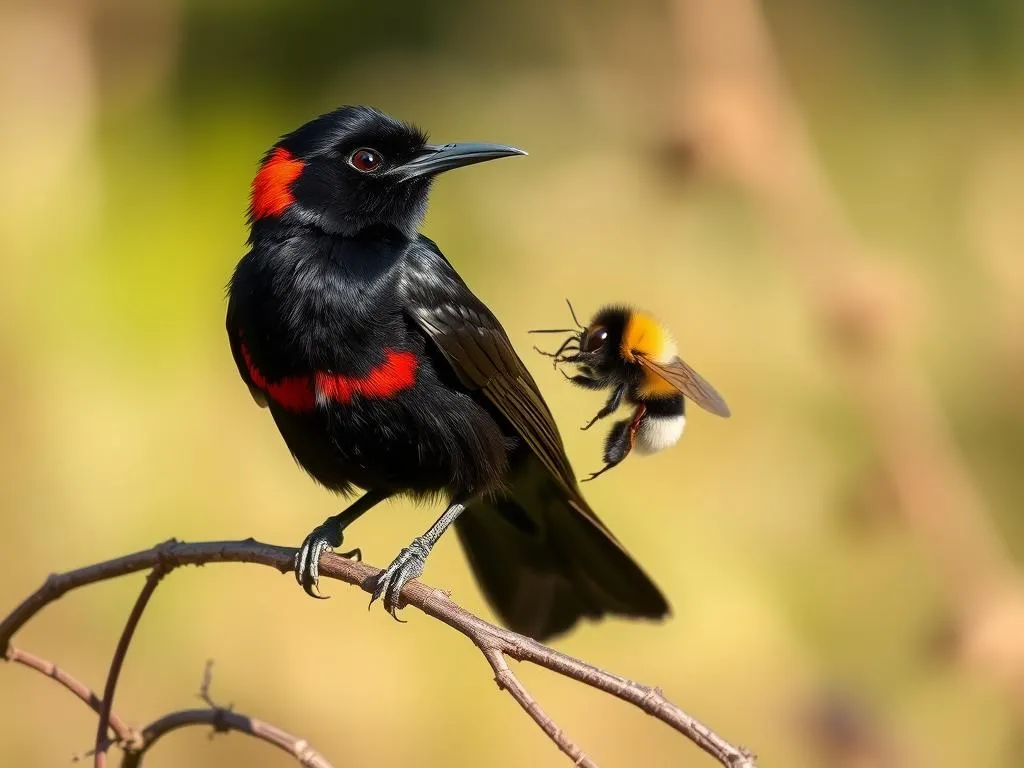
824	203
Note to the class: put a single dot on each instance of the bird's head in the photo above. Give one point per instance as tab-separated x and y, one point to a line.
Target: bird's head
355	168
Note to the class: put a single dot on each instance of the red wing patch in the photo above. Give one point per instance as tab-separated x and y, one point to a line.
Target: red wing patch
397	372
271	189
299	393
294	393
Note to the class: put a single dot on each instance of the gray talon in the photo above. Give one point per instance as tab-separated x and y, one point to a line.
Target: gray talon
307	560
408	565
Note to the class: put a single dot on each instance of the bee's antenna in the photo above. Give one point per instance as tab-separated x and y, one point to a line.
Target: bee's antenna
573	313
579	326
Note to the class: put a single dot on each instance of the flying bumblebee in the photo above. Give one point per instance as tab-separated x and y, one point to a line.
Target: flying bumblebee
631	352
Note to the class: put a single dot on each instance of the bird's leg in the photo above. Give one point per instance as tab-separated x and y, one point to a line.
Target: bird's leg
609	408
410	561
327	536
620	441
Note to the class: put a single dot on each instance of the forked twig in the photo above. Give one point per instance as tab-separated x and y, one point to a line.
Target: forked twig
222	719
507	681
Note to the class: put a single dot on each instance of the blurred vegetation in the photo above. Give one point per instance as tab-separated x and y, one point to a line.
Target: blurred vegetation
128	137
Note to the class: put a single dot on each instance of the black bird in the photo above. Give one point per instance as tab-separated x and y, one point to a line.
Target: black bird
383	371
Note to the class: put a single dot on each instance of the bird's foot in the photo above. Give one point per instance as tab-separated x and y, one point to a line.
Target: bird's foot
325	537
408	565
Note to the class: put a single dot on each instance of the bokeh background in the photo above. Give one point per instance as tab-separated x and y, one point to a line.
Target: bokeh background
823	200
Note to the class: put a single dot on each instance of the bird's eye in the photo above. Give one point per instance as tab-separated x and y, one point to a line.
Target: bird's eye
365	160
596	338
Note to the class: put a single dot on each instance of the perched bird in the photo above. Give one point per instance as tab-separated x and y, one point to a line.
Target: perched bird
632	353
383	371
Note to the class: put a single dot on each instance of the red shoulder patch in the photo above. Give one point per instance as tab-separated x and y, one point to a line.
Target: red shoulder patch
271	189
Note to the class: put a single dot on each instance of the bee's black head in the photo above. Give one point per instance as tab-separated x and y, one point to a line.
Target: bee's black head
600	346
597	348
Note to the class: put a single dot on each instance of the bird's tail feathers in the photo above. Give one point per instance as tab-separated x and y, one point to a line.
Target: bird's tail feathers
544	560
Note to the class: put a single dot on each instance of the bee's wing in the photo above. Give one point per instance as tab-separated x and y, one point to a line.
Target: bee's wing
689	383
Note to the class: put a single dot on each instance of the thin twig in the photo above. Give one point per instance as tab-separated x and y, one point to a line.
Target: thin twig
122	733
507	681
222	719
431	601
159	571
204	687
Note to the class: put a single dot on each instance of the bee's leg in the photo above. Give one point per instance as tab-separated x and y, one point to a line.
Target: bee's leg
557	354
609	408
584	381
620	441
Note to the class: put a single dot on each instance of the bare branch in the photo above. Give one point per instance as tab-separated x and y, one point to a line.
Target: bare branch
122	732
222	719
433	602
158	572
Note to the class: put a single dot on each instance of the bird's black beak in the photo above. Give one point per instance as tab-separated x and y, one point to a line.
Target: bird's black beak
433	159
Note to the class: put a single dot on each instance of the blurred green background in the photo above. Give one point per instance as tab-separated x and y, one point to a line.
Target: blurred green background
810	622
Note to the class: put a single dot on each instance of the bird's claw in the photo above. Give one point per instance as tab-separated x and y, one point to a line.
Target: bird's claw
408	565
323	538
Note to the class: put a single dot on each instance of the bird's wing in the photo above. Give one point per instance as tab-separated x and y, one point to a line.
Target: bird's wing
235	340
688	382
478	349
539	584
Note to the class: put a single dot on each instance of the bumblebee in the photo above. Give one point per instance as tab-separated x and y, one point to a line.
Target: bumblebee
633	354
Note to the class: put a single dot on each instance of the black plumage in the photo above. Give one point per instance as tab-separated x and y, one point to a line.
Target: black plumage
383	371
